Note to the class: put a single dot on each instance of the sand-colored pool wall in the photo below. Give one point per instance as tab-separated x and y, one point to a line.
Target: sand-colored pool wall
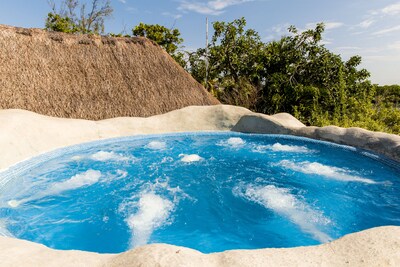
25	134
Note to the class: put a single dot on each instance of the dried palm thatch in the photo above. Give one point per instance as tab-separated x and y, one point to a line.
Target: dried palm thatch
91	77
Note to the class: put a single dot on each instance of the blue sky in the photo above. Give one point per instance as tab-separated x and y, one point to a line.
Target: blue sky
369	28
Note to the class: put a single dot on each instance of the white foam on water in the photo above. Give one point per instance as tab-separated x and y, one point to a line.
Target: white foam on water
233	142
122	173
87	178
157	145
190	158
277	147
104	156
14	203
153	212
76	158
151	209
330	172
287	205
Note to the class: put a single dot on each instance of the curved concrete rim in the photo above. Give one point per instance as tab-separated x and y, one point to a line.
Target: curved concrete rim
25	134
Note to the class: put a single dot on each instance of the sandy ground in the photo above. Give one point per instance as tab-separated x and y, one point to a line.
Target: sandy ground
374	247
25	134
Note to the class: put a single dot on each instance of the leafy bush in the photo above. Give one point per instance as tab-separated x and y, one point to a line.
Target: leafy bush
295	74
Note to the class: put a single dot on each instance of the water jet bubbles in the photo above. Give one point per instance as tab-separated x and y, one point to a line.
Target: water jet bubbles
207	191
278	147
330	172
153	212
105	156
288	205
13	203
79	180
232	142
156	145
190	158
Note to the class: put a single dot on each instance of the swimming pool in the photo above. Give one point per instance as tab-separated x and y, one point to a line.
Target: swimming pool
207	191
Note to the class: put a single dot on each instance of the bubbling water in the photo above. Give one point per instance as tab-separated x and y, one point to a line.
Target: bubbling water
330	172
87	178
207	191
153	212
283	203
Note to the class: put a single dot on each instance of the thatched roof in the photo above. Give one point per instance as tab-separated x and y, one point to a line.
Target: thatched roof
91	77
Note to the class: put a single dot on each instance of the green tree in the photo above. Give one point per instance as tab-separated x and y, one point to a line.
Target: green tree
388	95
88	20
387	108
295	74
55	22
235	63
169	39
304	78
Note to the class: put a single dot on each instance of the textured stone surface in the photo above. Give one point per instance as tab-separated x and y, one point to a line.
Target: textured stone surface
25	134
48	133
382	143
373	247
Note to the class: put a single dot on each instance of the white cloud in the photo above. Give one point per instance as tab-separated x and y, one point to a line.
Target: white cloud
122	1
215	7
333	25
378	18
222	4
174	16
281	29
387	30
328	25
393	9
365	24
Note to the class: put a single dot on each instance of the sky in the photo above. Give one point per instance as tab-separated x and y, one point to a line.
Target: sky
369	28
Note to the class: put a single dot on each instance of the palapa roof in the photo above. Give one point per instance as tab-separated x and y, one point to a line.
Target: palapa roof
91	77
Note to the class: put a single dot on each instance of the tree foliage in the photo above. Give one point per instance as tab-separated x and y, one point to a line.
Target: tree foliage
235	63
169	39
304	78
87	20
387	108
58	23
388	95
296	74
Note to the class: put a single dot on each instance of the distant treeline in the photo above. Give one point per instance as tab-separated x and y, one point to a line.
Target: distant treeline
296	74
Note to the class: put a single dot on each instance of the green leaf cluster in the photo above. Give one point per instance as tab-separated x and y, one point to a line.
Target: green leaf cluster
169	39
58	23
89	20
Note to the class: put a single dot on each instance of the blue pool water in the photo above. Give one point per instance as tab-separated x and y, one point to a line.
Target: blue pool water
207	191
